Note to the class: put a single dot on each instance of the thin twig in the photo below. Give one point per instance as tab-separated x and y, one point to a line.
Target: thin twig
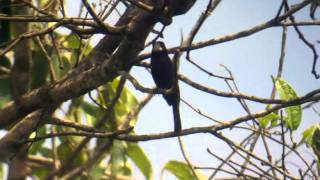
186	158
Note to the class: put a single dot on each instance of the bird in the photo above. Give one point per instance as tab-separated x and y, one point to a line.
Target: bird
163	73
174	8
179	7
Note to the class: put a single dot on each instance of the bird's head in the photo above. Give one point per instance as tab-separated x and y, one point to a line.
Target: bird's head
159	46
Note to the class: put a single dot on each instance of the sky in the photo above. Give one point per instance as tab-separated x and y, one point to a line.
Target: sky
252	61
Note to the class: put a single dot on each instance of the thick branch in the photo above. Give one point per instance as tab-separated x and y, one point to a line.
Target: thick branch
86	79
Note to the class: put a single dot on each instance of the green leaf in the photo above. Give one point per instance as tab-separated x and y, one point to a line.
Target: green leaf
88	48
37	145
72	42
46	152
40	173
96	172
92	113
64	151
67	147
265	120
4	83
138	156
275	122
127	101
308	134
4	99
91	109
316	141
39	69
62	67
106	93
180	169
121	111
127	170
1	171
118	158
294	113
130	100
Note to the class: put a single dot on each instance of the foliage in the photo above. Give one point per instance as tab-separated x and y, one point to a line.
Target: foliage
61	52
180	169
293	116
294	113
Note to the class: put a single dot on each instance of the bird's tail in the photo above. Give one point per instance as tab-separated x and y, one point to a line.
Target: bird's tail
176	117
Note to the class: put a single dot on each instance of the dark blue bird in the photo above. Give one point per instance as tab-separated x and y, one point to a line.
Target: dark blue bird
163	73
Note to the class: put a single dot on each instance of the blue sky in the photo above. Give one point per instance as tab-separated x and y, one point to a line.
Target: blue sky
252	61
